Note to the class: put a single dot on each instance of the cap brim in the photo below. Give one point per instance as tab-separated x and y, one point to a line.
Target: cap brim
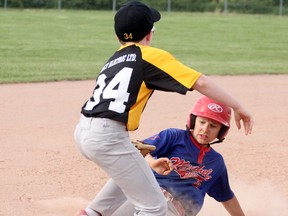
156	14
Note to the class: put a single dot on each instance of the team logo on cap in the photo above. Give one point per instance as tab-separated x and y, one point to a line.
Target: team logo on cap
128	36
215	107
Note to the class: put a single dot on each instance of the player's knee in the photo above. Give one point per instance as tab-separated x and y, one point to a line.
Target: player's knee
164	208
161	208
158	208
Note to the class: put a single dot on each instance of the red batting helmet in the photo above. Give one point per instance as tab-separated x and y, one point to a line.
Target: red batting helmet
208	108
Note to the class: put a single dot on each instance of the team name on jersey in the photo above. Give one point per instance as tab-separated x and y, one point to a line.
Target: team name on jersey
187	170
125	58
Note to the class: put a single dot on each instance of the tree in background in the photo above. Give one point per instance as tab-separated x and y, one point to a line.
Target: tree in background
235	6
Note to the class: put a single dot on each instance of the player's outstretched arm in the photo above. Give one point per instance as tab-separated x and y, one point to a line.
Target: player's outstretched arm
241	114
207	87
233	207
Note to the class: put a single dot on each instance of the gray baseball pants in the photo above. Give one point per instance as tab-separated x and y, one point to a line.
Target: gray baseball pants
107	143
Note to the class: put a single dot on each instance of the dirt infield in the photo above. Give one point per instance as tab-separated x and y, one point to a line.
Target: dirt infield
42	172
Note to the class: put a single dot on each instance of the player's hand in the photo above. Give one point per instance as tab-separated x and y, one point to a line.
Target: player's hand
242	115
162	166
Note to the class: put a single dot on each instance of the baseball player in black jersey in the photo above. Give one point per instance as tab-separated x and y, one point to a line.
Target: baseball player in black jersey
123	87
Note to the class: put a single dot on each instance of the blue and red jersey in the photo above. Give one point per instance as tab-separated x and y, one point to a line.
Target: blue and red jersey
197	170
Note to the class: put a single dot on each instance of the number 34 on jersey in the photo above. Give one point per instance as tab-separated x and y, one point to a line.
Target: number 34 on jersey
116	90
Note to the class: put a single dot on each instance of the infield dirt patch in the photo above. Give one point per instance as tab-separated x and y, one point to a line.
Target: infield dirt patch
42	172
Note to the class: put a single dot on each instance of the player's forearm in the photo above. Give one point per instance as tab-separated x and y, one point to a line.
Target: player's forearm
149	158
208	87
233	207
151	161
162	165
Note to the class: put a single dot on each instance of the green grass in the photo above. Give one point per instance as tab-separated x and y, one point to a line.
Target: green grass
48	45
233	44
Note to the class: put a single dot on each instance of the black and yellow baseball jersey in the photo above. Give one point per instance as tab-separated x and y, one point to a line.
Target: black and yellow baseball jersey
128	79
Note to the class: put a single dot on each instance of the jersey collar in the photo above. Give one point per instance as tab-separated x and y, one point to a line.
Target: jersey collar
202	149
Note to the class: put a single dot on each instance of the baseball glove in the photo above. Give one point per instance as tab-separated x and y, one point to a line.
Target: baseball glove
144	148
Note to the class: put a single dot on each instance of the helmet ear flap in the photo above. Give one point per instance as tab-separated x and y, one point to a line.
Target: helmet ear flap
222	133
191	122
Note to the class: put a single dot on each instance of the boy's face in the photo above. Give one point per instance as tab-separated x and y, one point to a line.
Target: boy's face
205	130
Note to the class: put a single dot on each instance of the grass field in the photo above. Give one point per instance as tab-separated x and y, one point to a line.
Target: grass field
48	45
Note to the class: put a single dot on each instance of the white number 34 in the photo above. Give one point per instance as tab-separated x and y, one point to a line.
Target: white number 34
116	89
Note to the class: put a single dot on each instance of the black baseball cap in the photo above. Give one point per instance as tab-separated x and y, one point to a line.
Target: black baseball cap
134	20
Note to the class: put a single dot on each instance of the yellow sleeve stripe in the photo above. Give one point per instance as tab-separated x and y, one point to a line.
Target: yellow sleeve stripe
137	109
170	65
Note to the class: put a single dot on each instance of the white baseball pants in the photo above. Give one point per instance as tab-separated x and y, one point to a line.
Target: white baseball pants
107	143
